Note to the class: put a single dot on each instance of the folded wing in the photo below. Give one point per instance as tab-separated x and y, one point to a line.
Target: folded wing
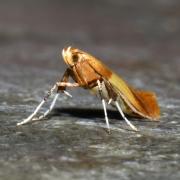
142	103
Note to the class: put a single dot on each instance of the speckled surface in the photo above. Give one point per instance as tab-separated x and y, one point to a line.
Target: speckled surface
139	40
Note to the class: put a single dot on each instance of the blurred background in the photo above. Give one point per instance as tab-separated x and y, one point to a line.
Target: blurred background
113	29
138	39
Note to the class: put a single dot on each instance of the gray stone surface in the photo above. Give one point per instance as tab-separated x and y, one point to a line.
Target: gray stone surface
138	39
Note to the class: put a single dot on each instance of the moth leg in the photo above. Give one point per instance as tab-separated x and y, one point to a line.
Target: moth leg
104	105
124	117
56	86
29	118
110	100
66	84
49	110
62	84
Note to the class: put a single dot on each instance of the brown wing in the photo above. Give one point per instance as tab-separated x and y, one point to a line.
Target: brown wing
149	103
142	103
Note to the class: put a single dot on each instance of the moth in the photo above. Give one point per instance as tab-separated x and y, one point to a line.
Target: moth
90	73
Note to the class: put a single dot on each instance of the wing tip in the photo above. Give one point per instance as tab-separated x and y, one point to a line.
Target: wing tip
149	104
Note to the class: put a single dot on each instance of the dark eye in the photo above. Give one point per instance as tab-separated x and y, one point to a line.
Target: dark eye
75	57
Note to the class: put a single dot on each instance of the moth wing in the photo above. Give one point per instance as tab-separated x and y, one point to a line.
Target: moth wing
149	103
143	103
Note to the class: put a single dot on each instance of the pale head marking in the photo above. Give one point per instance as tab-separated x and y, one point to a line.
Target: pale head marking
69	48
66	51
67	55
63	53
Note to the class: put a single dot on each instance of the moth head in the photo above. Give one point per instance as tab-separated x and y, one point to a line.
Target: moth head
72	56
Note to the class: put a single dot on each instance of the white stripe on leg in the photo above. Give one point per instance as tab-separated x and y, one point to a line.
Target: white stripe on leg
29	118
122	114
104	105
49	110
105	114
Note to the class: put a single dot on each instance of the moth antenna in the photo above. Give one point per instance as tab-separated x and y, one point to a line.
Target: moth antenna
104	105
49	110
124	117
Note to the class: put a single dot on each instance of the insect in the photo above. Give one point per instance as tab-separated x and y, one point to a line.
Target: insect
90	73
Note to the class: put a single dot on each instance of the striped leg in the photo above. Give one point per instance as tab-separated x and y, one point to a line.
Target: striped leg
48	111
32	116
124	117
104	105
29	118
51	106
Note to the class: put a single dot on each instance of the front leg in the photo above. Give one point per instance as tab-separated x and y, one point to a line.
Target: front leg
59	86
63	85
29	118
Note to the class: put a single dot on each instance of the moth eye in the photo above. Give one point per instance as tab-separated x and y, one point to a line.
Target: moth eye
75	57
